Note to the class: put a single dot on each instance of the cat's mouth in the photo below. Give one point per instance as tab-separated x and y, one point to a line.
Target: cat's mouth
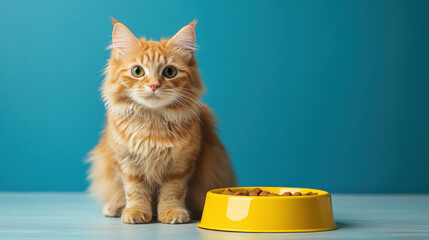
153	96
151	99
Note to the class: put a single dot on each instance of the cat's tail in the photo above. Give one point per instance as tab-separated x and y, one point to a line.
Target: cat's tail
105	182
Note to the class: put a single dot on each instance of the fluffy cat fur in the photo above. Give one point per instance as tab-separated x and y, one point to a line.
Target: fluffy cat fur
159	153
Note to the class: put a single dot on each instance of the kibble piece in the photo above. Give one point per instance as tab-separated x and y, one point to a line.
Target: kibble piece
264	193
255	192
260	192
227	192
243	193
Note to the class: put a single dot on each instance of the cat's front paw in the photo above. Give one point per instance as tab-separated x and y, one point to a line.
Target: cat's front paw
133	216
174	216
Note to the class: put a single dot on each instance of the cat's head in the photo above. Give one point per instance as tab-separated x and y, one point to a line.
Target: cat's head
152	75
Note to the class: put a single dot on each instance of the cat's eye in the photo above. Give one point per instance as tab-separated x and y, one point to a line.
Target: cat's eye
169	72
137	71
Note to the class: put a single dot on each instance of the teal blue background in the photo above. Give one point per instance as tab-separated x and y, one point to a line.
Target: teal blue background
323	94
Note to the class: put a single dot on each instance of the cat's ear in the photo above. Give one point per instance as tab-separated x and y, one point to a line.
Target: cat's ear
184	40
123	40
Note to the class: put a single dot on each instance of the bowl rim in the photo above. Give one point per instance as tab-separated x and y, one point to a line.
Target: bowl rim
217	191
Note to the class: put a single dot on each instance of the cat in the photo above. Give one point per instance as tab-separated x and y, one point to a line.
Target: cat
159	152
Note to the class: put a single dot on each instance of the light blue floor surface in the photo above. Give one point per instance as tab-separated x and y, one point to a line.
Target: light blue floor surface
77	216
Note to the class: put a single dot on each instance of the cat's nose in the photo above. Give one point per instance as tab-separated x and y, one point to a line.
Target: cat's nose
154	86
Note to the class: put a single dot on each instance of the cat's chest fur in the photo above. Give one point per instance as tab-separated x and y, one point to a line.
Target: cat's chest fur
146	147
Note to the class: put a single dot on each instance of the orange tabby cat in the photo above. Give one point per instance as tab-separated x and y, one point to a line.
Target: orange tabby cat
159	152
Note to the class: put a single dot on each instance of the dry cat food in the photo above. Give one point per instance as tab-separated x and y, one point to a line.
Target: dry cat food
259	192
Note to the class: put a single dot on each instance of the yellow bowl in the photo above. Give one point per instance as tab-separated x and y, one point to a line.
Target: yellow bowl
268	213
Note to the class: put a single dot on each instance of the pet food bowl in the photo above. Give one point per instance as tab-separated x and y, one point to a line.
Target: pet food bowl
268	213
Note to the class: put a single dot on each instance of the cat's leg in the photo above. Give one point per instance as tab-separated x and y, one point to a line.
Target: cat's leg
173	189
171	201
138	207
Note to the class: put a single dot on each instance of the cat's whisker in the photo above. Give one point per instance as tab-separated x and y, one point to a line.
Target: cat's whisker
189	91
186	92
193	98
183	106
190	110
187	100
